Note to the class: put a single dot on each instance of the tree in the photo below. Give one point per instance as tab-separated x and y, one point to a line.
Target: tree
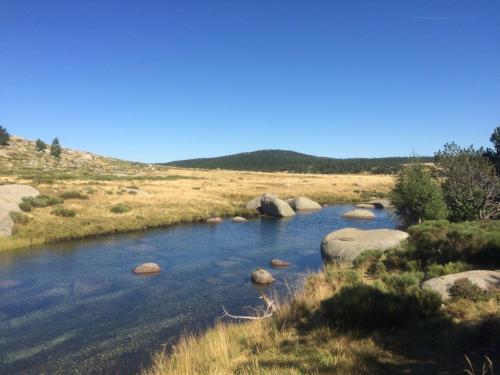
4	136
494	154
40	145
417	196
55	148
470	184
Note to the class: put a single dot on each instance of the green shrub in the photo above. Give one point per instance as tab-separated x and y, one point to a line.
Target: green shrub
4	136
25	206
132	192
466	289
367	258
436	270
337	277
42	201
73	194
64	212
19	217
120	208
55	148
40	145
367	307
402	282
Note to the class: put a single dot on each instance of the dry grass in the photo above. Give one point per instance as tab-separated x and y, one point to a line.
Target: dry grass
176	196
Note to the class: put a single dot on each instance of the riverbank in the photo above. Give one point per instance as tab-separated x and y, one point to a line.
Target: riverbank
166	196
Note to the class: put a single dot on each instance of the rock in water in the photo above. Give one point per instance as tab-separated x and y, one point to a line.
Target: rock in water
239	219
147	268
272	206
261	276
381	203
214	220
344	245
359	214
304	204
365	205
486	280
279	263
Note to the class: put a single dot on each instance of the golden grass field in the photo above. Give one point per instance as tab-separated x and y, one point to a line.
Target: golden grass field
176	196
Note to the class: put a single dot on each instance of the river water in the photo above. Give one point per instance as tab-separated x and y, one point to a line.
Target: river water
76	307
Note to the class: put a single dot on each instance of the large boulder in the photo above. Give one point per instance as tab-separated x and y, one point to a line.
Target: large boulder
344	245
273	206
359	213
254	204
486	280
10	197
261	276
303	204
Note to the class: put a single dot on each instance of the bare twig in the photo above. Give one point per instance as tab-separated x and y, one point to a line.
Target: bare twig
271	308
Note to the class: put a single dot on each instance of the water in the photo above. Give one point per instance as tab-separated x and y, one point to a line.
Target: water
76	307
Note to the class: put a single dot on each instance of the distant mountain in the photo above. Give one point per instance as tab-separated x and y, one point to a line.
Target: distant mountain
282	160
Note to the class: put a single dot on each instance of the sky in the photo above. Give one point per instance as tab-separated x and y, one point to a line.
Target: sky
156	81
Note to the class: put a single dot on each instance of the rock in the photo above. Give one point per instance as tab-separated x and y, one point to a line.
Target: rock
486	280
344	245
15	193
304	204
279	263
254	204
365	205
147	268
6	223
381	203
359	214
239	219
214	220
273	206
261	276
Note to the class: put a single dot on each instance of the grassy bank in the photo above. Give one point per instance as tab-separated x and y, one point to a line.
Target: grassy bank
168	196
370	318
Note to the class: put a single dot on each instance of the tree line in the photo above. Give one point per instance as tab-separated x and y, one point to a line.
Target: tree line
55	146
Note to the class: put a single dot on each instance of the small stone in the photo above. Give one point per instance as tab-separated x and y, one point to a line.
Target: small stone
147	268
214	220
261	276
279	263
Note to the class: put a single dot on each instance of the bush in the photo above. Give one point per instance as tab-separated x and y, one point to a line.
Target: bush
120	208
73	195
40	145
42	201
19	217
64	212
436	270
466	289
4	136
25	206
55	148
417	196
402	282
337	277
367	307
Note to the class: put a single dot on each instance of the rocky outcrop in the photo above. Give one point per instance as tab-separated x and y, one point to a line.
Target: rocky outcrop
272	206
147	268
10	197
214	220
486	280
279	263
344	245
239	219
359	214
261	276
303	204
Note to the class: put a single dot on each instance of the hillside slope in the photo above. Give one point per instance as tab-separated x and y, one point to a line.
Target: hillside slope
282	160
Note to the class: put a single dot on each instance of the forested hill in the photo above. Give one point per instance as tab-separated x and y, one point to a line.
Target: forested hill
281	160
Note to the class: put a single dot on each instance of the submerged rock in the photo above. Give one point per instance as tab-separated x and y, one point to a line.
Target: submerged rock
344	245
272	206
261	276
304	204
279	263
239	219
147	268
359	214
214	220
486	280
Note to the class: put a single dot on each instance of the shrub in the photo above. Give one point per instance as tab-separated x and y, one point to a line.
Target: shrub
25	206
19	217
120	208
337	277
42	201
4	136
402	282
73	194
466	289
55	148
367	258
436	270
417	196
40	145
367	307
64	212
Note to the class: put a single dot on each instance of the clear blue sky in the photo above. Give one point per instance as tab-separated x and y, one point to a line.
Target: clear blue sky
163	80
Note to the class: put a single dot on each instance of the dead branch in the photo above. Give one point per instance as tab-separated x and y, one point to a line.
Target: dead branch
271	308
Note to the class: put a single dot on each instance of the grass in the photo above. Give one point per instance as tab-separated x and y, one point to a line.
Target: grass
302	339
176	196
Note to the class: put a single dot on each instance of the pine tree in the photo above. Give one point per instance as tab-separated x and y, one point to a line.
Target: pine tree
40	145
4	136
55	148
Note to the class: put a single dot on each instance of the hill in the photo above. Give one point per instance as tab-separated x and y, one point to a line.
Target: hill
282	160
